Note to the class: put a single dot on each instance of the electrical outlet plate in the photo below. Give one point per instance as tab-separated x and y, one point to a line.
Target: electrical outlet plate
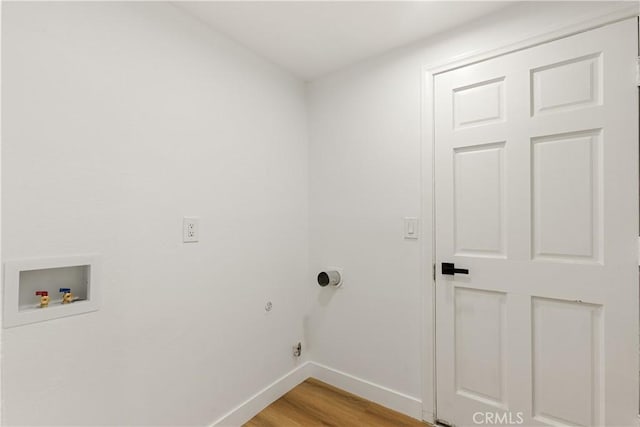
190	229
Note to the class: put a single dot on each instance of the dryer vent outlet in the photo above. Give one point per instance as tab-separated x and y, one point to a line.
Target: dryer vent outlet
329	278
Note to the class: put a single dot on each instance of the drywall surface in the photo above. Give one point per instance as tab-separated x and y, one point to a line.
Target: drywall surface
118	120
365	152
1	319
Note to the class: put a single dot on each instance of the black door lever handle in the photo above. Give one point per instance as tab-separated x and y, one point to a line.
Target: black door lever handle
450	269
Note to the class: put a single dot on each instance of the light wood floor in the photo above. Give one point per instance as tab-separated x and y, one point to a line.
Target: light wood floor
314	403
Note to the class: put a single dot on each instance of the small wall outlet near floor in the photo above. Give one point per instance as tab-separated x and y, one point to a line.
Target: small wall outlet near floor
190	229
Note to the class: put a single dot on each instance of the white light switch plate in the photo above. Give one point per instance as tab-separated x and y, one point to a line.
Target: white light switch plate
190	229
411	228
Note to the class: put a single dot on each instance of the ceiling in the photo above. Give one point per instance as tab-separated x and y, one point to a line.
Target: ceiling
314	38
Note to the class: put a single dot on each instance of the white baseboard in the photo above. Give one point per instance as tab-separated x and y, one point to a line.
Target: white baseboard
251	407
384	396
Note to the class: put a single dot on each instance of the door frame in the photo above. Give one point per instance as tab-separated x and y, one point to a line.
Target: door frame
427	205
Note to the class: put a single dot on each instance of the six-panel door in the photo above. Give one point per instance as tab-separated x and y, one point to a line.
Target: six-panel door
536	160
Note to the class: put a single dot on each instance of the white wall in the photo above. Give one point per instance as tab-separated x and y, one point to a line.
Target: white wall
1	257
365	152
118	120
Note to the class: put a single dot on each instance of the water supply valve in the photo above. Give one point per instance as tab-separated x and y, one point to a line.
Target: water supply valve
44	298
67	296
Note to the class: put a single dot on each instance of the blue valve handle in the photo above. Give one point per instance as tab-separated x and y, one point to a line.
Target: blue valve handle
65	290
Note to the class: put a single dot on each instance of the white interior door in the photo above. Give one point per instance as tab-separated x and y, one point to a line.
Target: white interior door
536	160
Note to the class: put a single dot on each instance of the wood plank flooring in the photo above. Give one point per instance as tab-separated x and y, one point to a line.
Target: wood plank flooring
314	403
